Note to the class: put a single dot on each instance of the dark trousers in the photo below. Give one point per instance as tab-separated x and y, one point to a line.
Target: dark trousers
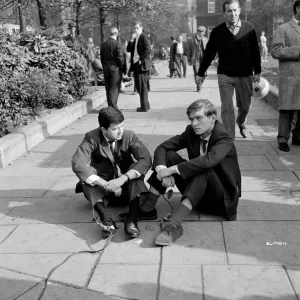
112	78
181	59
205	190
285	126
141	79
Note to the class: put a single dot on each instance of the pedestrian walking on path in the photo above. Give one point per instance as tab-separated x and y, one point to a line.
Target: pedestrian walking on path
286	48
180	55
139	47
210	181
114	66
236	44
172	66
198	46
105	167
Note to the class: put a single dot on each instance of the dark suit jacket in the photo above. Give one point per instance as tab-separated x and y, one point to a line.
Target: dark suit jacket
221	156
112	56
143	50
93	155
185	49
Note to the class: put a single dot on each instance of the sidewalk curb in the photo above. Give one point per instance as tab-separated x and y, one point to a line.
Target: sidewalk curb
15	144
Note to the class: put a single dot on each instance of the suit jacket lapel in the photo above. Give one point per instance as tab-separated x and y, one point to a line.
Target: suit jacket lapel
295	25
105	147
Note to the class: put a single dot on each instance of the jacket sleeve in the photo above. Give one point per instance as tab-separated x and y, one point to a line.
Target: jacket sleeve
212	158
119	55
130	46
175	143
146	49
82	158
256	61
141	155
279	48
209	53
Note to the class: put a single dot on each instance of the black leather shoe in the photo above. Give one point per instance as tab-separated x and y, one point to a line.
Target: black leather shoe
140	109
284	147
243	131
295	141
146	216
112	228
131	228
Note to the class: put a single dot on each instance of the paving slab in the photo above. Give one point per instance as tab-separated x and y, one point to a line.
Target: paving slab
246	282
263	206
296	196
201	243
294	150
138	251
294	275
61	292
290	162
63	170
13	284
254	181
57	210
19	187
50	238
181	282
26	168
253	148
5	231
7	204
64	187
254	163
126	281
263	243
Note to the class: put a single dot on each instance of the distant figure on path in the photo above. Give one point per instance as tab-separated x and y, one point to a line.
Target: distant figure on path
209	181
264	47
180	52
172	64
114	66
198	46
236	43
286	48
139	47
105	167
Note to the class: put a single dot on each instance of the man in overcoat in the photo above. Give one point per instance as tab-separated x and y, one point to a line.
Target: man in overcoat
105	167
113	62
198	46
172	65
286	48
210	181
139	47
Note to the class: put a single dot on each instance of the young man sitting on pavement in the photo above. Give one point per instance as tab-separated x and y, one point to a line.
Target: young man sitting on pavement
104	165
210	181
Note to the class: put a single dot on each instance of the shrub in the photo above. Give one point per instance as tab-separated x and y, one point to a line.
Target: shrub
37	71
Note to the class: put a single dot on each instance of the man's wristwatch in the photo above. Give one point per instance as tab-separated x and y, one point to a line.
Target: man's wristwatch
128	178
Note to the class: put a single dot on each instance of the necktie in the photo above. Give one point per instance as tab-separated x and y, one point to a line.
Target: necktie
113	154
135	55
204	144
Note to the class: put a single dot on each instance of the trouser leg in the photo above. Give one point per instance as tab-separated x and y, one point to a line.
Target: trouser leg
285	125
178	64
226	88
184	63
243	90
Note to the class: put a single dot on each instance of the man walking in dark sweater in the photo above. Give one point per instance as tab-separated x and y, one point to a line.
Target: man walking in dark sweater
236	43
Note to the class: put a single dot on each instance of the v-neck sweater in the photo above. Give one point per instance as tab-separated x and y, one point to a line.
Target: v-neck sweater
239	54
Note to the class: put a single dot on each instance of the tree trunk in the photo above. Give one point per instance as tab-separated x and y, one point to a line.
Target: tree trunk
77	17
102	19
21	17
42	13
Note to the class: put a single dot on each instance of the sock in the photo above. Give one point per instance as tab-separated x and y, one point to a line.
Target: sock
99	208
180	214
148	201
134	207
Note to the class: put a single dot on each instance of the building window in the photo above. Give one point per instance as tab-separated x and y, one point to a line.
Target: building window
209	29
211	4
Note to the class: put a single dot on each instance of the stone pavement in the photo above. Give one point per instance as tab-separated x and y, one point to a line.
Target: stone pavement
257	257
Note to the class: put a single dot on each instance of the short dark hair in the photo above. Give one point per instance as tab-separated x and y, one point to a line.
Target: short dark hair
296	4
200	104
228	2
108	116
138	22
172	38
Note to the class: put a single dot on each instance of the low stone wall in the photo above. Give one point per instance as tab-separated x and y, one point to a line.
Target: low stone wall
16	144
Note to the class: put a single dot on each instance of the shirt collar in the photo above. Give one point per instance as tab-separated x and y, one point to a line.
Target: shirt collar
295	20
238	24
207	138
106	137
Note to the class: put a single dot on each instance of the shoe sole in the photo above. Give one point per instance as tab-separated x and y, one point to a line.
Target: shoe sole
163	244
133	235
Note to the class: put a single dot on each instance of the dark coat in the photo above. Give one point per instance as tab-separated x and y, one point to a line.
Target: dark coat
143	50
221	156
112	56
185	49
93	155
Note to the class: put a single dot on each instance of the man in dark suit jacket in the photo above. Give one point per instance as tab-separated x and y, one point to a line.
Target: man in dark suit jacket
139	47
104	165
113	63
180	52
210	181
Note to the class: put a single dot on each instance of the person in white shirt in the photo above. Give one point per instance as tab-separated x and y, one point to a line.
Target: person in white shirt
180	56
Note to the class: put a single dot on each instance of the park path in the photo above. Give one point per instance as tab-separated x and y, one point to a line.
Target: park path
257	257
